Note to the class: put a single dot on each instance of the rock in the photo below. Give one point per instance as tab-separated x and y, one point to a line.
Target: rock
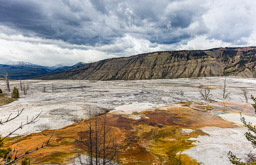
169	64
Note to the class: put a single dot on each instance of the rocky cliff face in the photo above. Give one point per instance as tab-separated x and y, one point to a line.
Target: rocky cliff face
169	64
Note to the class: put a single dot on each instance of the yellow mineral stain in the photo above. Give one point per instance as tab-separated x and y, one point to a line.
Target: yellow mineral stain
227	107
165	143
156	138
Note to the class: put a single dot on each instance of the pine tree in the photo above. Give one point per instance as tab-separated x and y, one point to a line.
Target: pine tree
15	93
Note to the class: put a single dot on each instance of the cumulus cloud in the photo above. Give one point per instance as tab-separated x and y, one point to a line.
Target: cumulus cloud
230	20
68	31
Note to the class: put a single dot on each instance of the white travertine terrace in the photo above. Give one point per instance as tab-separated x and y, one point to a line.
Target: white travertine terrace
71	100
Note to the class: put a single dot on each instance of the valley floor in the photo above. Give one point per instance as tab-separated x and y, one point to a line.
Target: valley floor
209	130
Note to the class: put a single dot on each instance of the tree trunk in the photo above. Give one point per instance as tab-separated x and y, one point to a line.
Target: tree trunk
7	82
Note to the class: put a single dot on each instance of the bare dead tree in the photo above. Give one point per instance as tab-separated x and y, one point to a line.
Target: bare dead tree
181	93
251	157
7	82
101	146
11	156
44	89
25	89
206	94
53	88
21	89
245	94
225	93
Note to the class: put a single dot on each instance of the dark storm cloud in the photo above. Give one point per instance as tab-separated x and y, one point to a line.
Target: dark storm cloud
99	5
25	16
99	21
56	20
91	30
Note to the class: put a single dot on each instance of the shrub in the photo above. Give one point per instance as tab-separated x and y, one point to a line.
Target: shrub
250	136
15	93
25	161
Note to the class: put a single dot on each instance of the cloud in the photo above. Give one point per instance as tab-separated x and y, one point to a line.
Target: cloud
45	51
89	30
49	52
230	21
100	21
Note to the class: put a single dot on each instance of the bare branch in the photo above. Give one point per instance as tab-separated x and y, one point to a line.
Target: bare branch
101	147
11	155
9	117
245	94
225	93
251	157
206	94
33	120
181	93
30	151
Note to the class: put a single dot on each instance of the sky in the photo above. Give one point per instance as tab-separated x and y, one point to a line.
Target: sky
51	32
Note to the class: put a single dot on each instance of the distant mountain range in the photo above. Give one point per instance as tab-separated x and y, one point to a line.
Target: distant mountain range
25	70
20	63
237	61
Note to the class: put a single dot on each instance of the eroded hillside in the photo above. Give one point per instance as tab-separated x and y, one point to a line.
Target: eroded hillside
170	64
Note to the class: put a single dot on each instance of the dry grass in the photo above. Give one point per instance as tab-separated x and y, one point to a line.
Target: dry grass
5	100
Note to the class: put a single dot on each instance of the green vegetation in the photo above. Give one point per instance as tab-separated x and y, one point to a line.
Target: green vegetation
250	136
15	93
135	113
4	152
166	143
25	161
53	158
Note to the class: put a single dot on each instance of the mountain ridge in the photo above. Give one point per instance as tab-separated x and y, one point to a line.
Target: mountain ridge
25	70
228	61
